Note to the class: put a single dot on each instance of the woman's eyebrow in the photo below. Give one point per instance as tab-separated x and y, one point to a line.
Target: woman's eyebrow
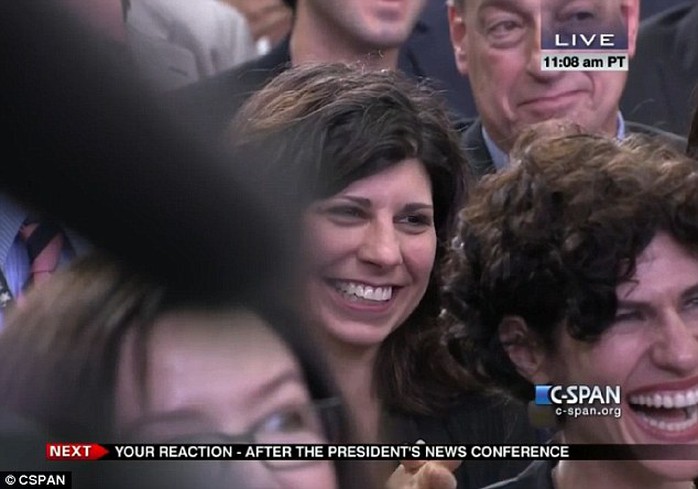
176	417
268	387
194	416
631	304
417	206
362	201
689	292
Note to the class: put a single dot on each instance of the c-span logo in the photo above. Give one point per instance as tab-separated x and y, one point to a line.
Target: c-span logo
573	395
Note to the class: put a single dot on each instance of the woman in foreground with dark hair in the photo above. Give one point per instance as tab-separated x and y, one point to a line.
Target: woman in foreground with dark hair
579	266
372	173
103	354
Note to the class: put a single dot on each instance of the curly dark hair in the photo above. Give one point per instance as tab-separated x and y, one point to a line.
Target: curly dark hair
314	130
551	238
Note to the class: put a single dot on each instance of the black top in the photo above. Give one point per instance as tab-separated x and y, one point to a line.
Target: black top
538	475
476	419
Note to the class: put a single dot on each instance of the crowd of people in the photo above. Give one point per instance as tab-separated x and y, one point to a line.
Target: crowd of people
269	222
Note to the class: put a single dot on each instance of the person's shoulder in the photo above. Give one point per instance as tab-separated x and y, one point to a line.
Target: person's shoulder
536	476
665	22
675	141
212	103
667	30
246	77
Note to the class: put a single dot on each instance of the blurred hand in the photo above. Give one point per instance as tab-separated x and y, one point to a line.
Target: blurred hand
267	18
422	474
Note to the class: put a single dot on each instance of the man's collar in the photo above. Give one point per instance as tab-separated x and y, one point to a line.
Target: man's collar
621	126
500	158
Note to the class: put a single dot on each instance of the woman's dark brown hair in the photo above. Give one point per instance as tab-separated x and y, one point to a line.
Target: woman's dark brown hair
316	129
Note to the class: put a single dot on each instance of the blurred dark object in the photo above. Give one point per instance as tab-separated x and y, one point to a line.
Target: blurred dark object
660	91
86	142
23	448
21	444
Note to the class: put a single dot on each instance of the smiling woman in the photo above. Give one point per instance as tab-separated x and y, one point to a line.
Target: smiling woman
371	251
369	168
579	266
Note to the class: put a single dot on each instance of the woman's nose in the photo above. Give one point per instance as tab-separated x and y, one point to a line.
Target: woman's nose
381	245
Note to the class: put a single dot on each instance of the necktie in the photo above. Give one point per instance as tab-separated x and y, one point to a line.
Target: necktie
44	243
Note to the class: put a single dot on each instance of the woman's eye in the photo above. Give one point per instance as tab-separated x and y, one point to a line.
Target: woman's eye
288	421
626	316
347	212
296	425
417	220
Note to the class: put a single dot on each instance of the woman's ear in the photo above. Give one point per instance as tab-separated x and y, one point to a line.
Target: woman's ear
524	349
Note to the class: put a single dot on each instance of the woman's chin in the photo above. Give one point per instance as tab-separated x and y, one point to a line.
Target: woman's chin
672	470
356	334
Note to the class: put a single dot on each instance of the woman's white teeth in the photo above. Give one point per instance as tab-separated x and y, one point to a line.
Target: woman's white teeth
668	401
686	400
690	421
367	292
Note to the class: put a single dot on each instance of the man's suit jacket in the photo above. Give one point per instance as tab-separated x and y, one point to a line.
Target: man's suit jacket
480	160
213	102
661	88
